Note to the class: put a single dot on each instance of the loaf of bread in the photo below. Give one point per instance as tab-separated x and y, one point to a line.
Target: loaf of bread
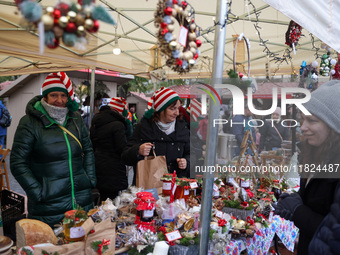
31	232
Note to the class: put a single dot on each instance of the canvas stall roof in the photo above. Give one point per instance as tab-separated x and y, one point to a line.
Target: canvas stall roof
19	48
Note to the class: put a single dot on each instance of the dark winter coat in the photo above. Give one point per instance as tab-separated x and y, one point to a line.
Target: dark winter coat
108	138
173	146
270	137
3	130
317	198
50	165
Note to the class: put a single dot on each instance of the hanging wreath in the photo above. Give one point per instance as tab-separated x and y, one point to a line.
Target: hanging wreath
65	21
293	34
181	55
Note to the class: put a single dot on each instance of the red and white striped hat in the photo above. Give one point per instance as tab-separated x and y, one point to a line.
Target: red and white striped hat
58	82
119	104
195	109
160	100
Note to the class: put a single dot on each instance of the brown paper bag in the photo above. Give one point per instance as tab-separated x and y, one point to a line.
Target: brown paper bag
149	172
103	230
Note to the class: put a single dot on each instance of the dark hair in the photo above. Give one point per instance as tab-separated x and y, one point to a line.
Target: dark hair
320	154
156	115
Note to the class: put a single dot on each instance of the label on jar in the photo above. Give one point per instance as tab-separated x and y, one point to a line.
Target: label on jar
148	213
245	184
77	232
215	187
193	185
172	236
186	192
166	185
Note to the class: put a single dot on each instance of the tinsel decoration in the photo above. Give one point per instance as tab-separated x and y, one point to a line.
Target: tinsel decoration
180	58
336	74
68	21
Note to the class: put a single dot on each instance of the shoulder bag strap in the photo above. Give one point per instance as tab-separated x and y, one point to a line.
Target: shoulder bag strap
75	138
278	133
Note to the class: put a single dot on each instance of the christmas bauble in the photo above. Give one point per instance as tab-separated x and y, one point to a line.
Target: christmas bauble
80	20
193	50
192	27
192	63
54	45
88	12
168	11
192	36
71	16
48	21
63	20
71	27
58	31
171	28
95	27
89	24
173	45
56	14
81	31
192	45
49	10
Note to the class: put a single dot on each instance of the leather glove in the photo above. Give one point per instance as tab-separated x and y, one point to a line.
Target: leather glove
286	207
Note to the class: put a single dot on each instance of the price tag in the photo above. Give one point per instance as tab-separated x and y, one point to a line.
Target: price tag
215	188
172	236
219	214
166	185
77	232
186	192
193	185
183	35
148	213
270	218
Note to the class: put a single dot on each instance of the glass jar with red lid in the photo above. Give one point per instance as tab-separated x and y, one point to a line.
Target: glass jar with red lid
167	178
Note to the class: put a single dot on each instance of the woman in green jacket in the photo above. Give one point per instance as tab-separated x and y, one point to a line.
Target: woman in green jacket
52	156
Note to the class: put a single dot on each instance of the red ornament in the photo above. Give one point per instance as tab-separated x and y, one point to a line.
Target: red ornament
164	31
56	22
54	45
174	2
63	7
179	62
240	75
71	27
184	5
56	13
168	11
164	25
95	26
198	43
195	57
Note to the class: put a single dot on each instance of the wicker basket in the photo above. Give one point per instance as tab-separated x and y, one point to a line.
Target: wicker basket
238	213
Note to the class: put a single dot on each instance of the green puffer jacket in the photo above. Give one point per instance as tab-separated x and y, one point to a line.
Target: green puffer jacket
49	164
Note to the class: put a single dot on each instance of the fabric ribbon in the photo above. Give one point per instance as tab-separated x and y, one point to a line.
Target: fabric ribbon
101	245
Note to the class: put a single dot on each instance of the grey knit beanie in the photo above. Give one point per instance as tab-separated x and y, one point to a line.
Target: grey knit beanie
325	104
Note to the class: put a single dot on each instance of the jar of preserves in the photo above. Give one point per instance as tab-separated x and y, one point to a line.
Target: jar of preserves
73	221
167	178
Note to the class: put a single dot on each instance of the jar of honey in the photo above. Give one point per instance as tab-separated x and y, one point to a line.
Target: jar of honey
73	221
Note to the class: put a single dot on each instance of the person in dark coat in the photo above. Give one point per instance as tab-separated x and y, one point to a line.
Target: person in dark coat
55	169
3	130
313	203
273	132
108	136
161	129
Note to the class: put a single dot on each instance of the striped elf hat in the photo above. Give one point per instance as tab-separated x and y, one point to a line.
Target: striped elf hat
160	100
119	104
60	82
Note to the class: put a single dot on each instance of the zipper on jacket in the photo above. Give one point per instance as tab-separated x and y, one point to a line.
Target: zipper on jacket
74	204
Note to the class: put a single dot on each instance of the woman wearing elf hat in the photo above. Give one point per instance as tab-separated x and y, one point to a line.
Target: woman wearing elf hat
52	156
109	132
161	129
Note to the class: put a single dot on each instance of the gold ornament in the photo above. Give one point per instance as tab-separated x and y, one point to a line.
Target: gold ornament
49	10
71	16
192	36
88	24
63	21
48	22
88	12
188	225
191	63
173	45
192	45
171	28
192	27
80	20
193	50
58	31
81	31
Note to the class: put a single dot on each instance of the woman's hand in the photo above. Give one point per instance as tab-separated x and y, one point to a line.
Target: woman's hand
182	163
145	148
